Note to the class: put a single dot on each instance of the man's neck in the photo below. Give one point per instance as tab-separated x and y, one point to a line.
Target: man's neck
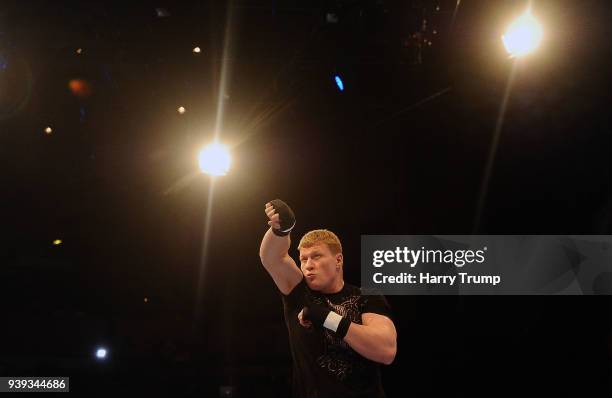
335	288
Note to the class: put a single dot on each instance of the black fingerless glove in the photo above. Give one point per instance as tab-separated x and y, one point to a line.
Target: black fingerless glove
286	217
321	316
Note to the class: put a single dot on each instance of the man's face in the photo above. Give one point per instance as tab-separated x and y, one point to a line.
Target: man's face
319	266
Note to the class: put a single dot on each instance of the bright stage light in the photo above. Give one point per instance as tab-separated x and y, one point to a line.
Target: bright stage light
101	353
80	88
339	83
48	130
196	50
181	110
57	242
215	159
523	36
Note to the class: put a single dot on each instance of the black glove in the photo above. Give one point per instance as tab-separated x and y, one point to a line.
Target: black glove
322	316
286	217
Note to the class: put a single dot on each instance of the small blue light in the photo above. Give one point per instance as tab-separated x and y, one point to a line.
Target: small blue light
339	83
101	353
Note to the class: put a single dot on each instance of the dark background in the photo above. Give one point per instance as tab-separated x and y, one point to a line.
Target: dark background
401	151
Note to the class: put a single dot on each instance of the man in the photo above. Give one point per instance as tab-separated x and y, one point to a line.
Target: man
338	337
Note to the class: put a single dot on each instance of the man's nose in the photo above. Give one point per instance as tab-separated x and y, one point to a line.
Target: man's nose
309	264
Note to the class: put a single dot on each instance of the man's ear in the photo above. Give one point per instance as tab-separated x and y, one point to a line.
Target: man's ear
339	259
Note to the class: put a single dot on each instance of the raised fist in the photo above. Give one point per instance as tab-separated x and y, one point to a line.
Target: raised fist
281	217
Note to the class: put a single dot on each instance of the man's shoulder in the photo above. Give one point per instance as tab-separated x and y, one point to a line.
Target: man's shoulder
352	290
296	294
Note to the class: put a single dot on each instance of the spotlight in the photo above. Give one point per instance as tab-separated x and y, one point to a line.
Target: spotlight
101	353
523	36
57	242
48	130
339	83
331	17
162	12
196	50
215	159
80	88
181	110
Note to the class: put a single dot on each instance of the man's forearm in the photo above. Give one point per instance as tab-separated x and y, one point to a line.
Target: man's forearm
373	343
273	246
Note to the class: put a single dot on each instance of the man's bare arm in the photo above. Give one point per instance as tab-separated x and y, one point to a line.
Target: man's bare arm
375	339
274	255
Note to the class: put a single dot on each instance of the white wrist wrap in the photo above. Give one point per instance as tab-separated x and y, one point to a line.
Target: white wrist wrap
288	229
332	321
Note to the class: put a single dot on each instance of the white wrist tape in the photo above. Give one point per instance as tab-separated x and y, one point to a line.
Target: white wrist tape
288	229
332	321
